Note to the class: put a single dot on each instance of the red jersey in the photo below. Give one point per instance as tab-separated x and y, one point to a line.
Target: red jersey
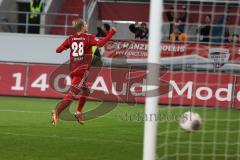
80	45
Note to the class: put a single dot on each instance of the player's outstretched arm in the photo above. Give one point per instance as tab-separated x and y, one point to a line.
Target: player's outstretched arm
103	41
65	45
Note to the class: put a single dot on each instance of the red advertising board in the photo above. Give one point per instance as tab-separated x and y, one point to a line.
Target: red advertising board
237	93
39	81
137	49
124	85
12	79
198	89
108	84
189	88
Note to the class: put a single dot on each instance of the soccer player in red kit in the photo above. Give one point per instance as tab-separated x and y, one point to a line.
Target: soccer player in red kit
80	45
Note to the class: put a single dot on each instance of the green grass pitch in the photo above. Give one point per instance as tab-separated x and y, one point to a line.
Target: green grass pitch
26	133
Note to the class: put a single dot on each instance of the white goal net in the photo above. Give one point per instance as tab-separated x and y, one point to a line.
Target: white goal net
203	74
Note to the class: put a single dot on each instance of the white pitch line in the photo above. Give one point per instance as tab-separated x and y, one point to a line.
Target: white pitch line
31	135
70	138
21	111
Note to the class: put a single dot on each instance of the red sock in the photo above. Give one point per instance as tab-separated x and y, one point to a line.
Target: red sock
81	102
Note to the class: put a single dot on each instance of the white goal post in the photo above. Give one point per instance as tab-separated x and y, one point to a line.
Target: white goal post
201	89
151	107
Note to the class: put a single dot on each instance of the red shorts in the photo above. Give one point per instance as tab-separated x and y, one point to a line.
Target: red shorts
79	74
78	86
79	78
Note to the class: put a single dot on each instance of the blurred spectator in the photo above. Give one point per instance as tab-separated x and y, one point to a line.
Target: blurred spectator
220	30
205	30
177	25
234	38
140	31
36	7
103	31
22	18
100	32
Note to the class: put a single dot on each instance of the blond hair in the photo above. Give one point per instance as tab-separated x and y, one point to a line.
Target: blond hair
78	24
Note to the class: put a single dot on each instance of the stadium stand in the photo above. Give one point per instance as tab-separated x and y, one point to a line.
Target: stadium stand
58	14
68	7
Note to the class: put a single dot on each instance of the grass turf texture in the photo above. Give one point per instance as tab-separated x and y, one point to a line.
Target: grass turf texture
26	133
